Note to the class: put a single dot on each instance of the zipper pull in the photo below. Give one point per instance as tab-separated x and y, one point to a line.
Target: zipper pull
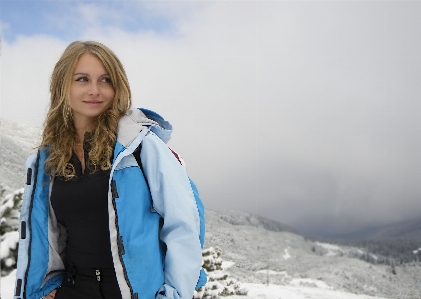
121	245
29	176
114	192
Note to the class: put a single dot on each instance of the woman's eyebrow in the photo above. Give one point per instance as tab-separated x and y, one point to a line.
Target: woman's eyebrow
85	74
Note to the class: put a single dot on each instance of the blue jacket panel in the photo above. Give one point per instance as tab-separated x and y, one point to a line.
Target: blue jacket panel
136	210
179	213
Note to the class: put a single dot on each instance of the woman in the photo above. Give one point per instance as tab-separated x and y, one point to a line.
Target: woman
108	212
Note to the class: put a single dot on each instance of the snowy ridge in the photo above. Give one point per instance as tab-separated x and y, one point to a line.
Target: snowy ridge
241	218
410	229
17	143
286	261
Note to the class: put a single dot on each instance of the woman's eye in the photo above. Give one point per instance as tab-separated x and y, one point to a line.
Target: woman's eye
82	79
106	80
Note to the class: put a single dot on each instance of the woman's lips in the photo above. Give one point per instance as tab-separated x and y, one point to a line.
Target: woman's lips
93	102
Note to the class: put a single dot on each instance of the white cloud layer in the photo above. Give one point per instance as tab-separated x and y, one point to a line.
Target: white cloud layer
305	112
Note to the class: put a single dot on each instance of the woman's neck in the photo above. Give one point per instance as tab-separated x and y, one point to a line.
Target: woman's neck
81	127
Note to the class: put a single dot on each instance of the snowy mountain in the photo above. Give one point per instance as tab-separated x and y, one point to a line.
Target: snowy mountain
17	143
407	230
239	218
283	258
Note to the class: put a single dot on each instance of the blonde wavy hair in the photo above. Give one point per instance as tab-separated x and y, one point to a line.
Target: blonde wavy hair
59	135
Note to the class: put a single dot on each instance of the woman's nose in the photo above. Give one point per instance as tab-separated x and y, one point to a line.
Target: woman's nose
94	89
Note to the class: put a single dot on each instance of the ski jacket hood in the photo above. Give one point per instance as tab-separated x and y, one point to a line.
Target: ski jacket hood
131	124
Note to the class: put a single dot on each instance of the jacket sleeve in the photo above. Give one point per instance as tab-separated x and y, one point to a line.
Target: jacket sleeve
173	199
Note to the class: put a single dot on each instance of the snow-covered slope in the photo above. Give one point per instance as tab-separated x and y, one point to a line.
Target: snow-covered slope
17	142
287	259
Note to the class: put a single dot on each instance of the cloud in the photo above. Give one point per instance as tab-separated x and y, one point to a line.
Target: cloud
26	69
304	112
92	13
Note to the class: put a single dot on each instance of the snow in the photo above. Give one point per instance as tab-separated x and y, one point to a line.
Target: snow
286	254
227	264
18	141
273	291
259	258
8	241
332	250
309	282
259	291
271	272
7	285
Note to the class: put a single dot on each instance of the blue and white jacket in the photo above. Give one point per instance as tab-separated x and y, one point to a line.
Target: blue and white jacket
143	269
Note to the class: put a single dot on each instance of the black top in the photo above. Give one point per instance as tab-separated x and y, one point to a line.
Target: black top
81	205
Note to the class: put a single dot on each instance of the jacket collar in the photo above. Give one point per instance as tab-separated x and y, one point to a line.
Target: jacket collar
135	120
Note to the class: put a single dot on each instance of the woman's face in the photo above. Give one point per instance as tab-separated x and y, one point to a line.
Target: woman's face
91	91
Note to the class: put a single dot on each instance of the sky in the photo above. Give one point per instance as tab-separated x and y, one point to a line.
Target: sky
305	112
